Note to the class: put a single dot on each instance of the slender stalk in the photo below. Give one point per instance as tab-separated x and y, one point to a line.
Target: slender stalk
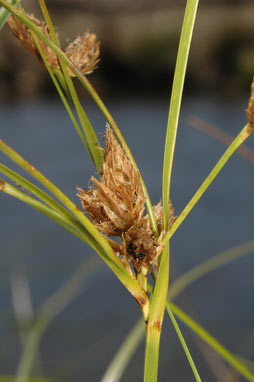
158	299
47	312
93	142
184	345
50	213
210	265
43	196
62	96
21	162
155	319
153	334
211	341
182	341
124	353
241	137
4	14
175	102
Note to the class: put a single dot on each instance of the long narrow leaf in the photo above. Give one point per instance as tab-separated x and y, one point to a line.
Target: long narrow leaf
93	142
241	137
50	213
175	102
124	353
21	162
4	14
211	341
159	295
184	345
43	196
48	311
62	96
210	265
155	319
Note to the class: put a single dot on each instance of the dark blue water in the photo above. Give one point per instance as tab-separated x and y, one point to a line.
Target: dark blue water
81	340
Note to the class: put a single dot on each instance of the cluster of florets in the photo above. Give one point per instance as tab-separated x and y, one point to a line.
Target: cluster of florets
116	206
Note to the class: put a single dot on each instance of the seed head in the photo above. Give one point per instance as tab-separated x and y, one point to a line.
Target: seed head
117	201
23	34
115	205
84	52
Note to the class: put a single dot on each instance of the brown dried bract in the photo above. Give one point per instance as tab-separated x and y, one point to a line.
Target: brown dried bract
83	52
23	34
117	202
250	110
115	206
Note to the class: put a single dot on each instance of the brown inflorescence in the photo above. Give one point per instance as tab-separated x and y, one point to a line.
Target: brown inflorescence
23	34
250	110
116	205
83	52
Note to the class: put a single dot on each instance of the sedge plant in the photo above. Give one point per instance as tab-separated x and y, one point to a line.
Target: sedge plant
117	204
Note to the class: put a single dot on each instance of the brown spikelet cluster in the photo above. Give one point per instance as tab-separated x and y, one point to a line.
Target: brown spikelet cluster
24	36
83	52
115	205
250	110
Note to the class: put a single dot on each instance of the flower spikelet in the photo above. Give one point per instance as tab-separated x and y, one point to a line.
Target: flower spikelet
84	52
23	34
140	243
115	205
117	201
250	110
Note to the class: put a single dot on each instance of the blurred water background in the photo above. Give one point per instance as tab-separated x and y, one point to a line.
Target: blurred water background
81	340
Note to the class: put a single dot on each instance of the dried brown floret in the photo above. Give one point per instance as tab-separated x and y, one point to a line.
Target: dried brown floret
117	202
115	205
83	52
23	34
140	244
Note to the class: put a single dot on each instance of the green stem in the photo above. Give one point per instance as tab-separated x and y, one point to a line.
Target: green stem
61	94
175	102
47	312
95	149
241	137
124	353
153	334
158	299
31	188
50	213
181	339
155	319
184	345
202	269
211	341
4	14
